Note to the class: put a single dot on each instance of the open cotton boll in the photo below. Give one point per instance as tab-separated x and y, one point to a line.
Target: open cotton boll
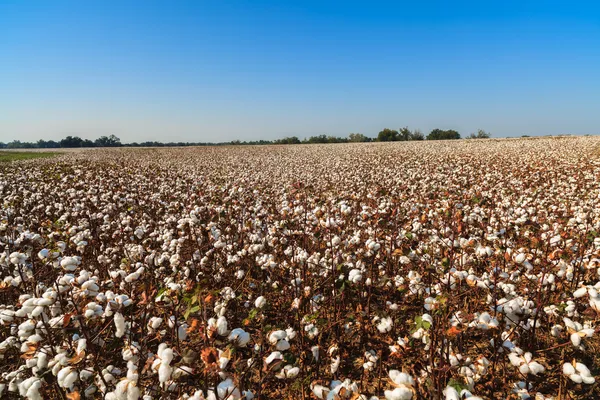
67	377
399	394
239	337
404	386
222	326
276	336
70	263
164	372
451	394
355	275
384	324
228	390
276	355
260	302
119	324
288	372
578	373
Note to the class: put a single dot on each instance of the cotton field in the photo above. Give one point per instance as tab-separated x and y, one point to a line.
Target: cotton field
411	270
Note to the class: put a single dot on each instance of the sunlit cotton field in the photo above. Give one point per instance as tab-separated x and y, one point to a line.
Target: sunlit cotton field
407	270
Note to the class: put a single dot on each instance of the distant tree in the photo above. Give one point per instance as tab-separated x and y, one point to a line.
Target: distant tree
110	141
2	145
316	139
439	134
481	134
15	144
387	135
404	134
288	140
47	144
417	135
358	137
71	141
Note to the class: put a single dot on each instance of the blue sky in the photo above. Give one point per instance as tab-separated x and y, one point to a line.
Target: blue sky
223	70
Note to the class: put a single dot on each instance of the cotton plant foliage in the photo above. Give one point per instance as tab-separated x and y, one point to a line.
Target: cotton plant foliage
415	270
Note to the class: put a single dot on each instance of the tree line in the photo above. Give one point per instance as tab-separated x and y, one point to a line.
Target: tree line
385	135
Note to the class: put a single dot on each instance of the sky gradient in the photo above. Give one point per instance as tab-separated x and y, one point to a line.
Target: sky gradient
223	70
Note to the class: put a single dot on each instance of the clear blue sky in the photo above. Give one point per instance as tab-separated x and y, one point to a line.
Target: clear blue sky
222	70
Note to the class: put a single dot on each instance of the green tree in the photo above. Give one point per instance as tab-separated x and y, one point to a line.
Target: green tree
71	141
404	134
358	137
387	135
439	134
108	141
481	134
417	135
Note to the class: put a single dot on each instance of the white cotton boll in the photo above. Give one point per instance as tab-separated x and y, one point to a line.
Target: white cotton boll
227	390
119	324
33	392
319	391
276	336
222	326
155	322
291	333
451	394
385	325
164	372
260	302
81	345
273	356
401	393
67	377
519	258
239	336
282	345
401	378
536	368
335	364
355	275
575	339
315	352
182	331
288	372
582	291
85	374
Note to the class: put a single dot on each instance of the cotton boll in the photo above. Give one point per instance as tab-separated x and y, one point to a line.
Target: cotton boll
282	345
239	336
227	390
222	326
260	302
67	377
276	336
399	394
164	372
119	324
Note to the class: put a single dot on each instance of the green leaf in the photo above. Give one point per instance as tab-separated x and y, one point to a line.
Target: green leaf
253	313
190	310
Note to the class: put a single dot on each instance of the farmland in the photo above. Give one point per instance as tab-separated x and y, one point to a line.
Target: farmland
415	270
